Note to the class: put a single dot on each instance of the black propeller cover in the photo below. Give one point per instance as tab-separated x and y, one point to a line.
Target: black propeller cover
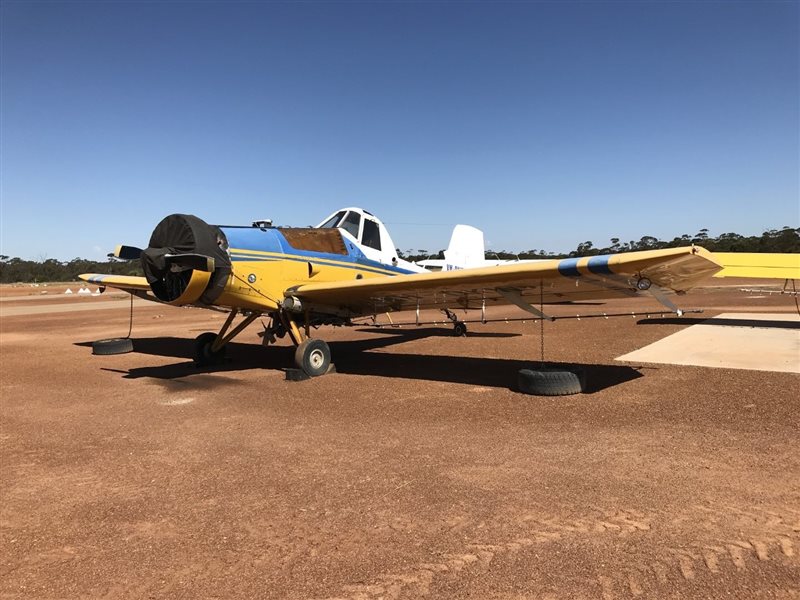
185	234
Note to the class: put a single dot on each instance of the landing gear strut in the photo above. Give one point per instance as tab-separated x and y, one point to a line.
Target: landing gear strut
459	327
312	357
210	347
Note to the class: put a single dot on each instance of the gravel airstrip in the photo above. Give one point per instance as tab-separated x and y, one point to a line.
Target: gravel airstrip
414	471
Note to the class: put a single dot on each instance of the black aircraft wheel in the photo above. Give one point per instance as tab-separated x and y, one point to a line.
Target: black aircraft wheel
112	346
203	356
544	382
460	329
313	357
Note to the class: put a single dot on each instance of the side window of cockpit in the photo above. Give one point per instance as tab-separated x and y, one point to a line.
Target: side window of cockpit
372	235
351	223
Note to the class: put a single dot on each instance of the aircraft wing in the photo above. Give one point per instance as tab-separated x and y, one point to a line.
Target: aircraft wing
127	283
566	280
758	265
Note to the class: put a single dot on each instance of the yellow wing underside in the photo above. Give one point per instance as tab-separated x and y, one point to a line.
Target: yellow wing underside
760	266
568	280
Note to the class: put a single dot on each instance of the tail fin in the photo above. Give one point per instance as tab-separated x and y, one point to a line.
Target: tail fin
466	248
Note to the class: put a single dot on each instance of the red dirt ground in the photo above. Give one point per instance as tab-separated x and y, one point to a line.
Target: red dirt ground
415	471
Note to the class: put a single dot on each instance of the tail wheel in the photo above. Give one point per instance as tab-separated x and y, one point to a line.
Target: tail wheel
460	329
313	357
203	355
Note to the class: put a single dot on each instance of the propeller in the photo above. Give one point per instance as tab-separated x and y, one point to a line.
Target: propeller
126	253
198	262
176	262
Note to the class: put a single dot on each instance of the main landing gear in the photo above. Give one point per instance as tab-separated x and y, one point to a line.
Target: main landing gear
210	347
459	327
312	356
204	353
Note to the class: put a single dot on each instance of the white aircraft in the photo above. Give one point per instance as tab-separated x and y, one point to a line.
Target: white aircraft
466	251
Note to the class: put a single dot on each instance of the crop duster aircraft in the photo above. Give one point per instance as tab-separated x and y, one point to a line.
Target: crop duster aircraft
347	267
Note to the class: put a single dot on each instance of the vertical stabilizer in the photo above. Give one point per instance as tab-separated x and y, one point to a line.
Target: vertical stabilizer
466	248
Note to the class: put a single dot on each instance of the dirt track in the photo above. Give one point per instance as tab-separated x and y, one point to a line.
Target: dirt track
414	472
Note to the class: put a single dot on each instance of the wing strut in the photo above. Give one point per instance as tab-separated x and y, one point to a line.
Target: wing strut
659	295
514	297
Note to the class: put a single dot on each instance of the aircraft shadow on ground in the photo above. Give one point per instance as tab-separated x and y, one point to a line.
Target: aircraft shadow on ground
355	358
489	372
722	322
411	332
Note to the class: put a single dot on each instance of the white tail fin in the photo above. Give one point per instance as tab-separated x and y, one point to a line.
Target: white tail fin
466	251
466	248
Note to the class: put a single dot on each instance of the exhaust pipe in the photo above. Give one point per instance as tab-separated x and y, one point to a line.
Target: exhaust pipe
186	261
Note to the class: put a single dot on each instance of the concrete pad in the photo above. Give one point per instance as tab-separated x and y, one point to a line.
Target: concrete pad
755	341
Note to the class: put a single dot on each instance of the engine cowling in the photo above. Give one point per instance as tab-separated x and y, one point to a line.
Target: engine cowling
187	261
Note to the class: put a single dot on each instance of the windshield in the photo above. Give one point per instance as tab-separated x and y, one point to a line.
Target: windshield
333	221
351	223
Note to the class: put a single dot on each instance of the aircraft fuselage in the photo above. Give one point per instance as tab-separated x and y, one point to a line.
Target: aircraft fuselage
265	261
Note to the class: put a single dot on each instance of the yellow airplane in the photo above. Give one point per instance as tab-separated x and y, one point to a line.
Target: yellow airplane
347	267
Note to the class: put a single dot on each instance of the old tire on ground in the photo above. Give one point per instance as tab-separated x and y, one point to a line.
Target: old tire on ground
203	356
545	382
112	346
313	357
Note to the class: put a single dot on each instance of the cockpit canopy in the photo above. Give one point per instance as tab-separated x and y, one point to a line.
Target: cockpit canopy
362	225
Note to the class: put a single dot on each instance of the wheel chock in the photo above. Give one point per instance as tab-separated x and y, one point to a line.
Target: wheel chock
296	375
300	375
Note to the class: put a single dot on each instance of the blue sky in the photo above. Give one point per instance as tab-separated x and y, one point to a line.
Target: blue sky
543	123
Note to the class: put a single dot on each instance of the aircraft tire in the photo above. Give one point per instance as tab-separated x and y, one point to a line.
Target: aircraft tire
543	382
313	357
460	329
202	352
112	346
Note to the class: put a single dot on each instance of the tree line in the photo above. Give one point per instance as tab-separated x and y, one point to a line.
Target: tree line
17	270
785	240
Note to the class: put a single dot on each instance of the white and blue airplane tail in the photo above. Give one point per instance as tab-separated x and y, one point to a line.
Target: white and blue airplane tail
465	251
